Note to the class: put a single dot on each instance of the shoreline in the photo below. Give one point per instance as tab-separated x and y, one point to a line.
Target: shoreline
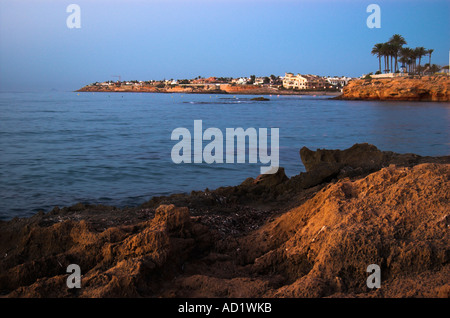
224	90
249	240
312	93
425	89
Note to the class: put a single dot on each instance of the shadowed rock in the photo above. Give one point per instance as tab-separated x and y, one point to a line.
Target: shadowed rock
363	156
323	164
271	180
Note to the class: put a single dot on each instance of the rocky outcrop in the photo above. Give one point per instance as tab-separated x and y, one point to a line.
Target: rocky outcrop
424	88
312	235
248	89
325	164
364	156
263	99
396	218
122	261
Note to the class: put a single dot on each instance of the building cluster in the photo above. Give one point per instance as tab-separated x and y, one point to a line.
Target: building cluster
312	82
288	81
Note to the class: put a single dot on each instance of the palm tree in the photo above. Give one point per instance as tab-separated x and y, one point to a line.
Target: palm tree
407	56
420	52
397	41
392	51
404	60
430	51
413	59
386	53
377	50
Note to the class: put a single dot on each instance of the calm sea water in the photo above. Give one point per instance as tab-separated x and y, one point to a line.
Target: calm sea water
57	149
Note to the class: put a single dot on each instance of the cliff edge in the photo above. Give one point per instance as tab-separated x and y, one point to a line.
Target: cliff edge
424	88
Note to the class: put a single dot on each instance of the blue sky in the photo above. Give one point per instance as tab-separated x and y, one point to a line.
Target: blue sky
156	39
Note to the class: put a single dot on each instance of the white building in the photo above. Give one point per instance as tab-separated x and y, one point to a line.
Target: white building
341	81
259	81
294	81
444	70
240	81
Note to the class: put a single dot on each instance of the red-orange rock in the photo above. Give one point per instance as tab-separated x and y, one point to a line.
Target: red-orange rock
424	88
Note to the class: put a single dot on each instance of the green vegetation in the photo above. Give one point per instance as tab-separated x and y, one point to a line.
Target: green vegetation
224	79
393	52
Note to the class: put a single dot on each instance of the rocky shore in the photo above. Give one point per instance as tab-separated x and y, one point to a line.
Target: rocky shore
423	88
203	89
311	235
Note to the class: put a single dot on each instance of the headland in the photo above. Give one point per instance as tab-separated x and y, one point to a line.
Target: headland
402	88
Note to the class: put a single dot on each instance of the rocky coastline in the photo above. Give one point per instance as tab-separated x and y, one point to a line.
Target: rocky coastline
203	89
311	235
404	88
407	88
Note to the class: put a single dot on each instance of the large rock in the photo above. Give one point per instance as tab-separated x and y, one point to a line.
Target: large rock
271	180
425	88
364	156
323	165
122	261
396	218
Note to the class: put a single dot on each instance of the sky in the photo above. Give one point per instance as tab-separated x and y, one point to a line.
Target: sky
164	39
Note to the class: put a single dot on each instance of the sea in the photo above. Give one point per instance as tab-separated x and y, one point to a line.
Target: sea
62	148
